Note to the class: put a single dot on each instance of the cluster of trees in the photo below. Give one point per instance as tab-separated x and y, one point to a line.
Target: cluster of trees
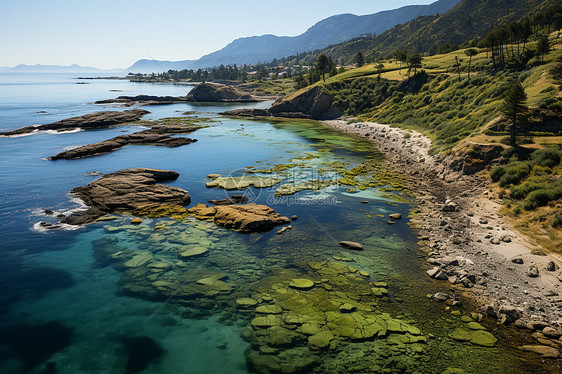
414	62
508	42
324	66
222	72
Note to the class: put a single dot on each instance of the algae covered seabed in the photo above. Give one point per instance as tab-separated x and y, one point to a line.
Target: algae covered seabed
181	295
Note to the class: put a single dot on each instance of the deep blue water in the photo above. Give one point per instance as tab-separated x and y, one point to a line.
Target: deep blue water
60	307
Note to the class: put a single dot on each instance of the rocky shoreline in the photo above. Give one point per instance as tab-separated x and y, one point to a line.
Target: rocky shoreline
469	247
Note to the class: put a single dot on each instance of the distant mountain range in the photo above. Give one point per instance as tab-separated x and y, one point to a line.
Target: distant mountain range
332	30
56	69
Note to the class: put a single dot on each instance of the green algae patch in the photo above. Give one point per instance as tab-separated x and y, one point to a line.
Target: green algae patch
312	185
318	319
243	182
478	337
176	211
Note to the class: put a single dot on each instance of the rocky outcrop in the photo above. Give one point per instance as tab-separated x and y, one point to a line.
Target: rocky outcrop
127	191
470	158
214	93
143	100
251	218
155	136
315	103
86	122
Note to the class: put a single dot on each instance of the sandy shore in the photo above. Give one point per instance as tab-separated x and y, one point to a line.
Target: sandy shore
466	242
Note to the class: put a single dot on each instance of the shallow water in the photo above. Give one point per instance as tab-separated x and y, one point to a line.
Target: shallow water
72	304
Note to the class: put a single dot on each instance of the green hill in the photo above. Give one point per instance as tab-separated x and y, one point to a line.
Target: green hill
467	21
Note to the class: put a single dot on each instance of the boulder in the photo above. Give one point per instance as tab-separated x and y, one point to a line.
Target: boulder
352	245
517	260
216	93
395	216
551	332
312	102
551	266
533	271
127	191
449	206
251	218
248	218
512	313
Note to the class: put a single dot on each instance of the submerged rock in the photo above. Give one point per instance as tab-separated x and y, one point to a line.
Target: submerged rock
352	245
301	284
236	199
544	351
243	182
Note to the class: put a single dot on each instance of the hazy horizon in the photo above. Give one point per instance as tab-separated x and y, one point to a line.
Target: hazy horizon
106	35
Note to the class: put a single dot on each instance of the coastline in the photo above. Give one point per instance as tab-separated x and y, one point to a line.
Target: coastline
463	236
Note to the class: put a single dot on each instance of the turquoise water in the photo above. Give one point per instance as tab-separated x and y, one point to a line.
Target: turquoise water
69	307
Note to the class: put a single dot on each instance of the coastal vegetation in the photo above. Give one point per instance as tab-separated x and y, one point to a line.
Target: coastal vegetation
531	187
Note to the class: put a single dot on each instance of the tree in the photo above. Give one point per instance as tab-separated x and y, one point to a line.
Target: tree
359	59
401	57
513	105
415	62
471	52
379	67
543	46
457	66
322	64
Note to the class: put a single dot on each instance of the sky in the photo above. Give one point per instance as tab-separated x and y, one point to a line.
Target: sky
116	33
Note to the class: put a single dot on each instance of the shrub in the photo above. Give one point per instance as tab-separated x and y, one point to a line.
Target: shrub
557	221
546	157
497	173
514	173
541	198
520	192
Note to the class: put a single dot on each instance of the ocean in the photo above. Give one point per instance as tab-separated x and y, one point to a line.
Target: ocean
72	302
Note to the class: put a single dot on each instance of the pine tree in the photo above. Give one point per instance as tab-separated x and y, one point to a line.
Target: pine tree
543	46
359	59
513	105
323	63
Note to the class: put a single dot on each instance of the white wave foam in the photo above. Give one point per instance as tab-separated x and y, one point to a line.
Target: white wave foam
37	227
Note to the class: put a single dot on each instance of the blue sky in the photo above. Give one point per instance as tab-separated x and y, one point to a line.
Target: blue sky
116	33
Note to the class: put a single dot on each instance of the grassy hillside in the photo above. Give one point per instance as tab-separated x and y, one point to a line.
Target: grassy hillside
439	103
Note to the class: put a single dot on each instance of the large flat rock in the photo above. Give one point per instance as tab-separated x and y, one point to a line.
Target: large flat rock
88	121
251	218
127	191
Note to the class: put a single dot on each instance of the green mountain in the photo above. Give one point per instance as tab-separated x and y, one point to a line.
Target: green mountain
466	21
